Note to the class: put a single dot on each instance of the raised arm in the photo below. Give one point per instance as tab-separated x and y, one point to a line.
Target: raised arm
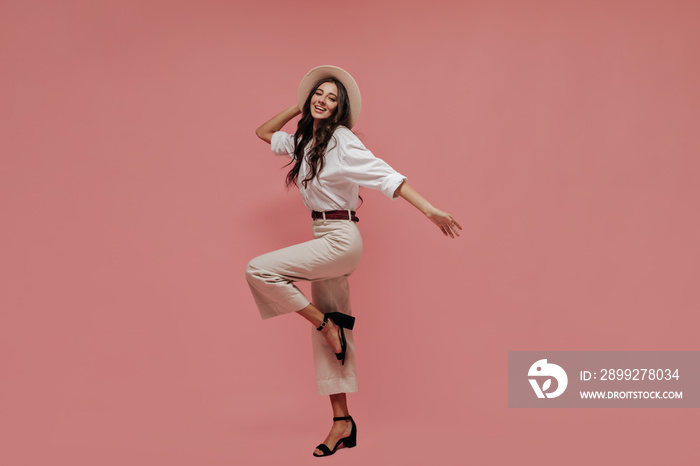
267	129
447	224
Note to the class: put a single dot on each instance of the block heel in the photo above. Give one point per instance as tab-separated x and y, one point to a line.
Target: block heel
348	442
343	321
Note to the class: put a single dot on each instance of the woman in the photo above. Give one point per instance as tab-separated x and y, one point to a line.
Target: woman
329	165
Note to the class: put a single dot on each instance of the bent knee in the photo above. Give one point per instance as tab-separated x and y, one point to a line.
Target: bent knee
252	271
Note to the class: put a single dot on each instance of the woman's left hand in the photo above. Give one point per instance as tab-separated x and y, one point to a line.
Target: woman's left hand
447	224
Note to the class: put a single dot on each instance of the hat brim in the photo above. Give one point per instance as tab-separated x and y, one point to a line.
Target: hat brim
329	71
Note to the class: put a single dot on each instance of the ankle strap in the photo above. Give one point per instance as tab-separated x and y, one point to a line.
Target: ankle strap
346	418
325	319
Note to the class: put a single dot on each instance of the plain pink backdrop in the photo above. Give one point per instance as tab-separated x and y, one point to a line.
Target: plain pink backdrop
133	191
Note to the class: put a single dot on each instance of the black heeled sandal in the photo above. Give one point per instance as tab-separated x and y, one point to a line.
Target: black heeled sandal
349	441
343	321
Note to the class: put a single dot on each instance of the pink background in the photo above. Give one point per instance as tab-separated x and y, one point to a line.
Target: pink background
562	134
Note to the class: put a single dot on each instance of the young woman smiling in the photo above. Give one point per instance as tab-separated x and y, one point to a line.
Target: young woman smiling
329	165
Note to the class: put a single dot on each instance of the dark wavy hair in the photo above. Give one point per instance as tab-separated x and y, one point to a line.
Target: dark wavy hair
324	133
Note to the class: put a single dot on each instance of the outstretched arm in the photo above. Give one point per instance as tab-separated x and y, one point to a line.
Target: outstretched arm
267	129
447	224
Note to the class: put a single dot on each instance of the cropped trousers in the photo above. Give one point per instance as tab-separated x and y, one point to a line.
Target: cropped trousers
326	261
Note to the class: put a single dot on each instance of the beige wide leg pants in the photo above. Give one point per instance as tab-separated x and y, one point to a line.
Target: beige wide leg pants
326	261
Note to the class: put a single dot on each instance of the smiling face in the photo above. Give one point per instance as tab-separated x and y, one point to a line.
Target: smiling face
324	101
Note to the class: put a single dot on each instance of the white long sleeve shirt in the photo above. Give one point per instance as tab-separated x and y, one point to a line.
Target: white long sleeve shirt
348	165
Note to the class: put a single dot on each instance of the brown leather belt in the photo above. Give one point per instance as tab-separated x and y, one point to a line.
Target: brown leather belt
335	215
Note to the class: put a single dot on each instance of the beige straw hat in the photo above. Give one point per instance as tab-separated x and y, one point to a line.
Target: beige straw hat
328	71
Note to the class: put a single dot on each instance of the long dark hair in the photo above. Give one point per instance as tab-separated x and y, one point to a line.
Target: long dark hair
305	133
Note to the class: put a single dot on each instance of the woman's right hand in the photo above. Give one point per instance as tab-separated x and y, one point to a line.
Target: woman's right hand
267	129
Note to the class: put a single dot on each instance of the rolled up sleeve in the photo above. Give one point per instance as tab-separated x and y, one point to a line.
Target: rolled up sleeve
282	143
360	166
